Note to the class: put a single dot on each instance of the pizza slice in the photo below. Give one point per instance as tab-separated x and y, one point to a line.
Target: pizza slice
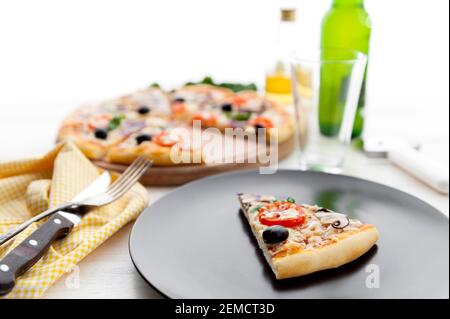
299	239
142	103
191	99
98	127
249	111
278	125
160	142
94	133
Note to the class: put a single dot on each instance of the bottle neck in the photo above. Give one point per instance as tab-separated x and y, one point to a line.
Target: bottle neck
348	3
287	33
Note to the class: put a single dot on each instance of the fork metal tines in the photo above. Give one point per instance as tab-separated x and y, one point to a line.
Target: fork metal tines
129	177
125	181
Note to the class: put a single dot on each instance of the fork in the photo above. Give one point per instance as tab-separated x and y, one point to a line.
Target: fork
31	250
129	177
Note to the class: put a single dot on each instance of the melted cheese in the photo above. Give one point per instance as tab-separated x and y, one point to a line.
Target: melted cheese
171	138
316	231
288	214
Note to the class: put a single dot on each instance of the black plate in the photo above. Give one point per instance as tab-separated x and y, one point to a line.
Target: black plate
194	242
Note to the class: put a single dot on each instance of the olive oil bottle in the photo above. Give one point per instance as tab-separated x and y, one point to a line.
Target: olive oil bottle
345	26
278	79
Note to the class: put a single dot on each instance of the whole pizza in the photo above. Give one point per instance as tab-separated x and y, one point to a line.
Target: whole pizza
151	122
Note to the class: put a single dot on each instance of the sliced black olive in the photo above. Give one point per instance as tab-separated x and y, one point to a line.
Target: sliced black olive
142	138
143	109
101	133
275	234
179	100
227	107
323	209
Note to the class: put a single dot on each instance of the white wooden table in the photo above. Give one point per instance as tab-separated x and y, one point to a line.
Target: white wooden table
109	273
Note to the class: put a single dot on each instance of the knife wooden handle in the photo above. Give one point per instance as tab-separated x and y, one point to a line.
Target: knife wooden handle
13	232
27	253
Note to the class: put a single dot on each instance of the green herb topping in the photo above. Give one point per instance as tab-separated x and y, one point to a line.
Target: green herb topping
235	87
154	85
115	122
241	116
257	208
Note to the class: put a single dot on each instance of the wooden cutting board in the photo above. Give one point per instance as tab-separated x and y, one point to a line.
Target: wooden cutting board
181	174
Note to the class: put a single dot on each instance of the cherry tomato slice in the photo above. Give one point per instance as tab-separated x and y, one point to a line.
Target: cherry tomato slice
239	100
205	118
178	108
272	214
262	121
99	121
163	140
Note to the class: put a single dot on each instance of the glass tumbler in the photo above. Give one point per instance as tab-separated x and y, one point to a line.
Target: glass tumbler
326	84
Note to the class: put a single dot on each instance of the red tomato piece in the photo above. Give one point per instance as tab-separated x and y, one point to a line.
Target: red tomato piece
262	121
205	118
178	108
163	140
99	121
274	214
239	100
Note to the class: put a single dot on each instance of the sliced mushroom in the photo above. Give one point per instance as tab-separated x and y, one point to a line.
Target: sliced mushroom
336	220
338	224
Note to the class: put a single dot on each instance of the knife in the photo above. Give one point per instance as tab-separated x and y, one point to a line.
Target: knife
27	253
400	153
97	187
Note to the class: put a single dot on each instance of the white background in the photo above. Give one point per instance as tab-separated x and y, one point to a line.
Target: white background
60	53
55	55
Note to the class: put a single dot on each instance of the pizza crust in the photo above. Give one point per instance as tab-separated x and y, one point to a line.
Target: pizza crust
122	155
159	155
307	261
284	133
89	148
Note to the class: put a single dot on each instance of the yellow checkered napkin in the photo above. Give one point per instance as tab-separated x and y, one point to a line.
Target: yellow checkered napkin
28	187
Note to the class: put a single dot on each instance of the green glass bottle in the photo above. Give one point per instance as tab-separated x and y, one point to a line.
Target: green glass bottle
345	26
